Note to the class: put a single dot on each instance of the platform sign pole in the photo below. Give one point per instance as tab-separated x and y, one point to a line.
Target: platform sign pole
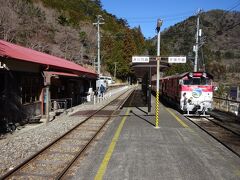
157	95
149	90
159	24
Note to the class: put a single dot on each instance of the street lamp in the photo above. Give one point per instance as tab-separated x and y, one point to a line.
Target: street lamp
159	24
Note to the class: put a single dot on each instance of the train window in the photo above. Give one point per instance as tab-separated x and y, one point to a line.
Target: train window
203	81
196	81
187	81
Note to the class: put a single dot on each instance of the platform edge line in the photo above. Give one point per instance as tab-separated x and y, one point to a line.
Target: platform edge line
177	118
105	161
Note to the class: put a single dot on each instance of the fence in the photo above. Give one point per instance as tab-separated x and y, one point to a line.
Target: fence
227	105
61	105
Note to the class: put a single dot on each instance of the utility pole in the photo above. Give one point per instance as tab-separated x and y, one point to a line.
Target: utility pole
115	70
98	23
196	47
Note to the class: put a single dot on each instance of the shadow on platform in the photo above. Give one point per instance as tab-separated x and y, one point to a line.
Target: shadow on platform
137	99
142	118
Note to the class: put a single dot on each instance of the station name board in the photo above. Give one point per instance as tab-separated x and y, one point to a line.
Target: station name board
140	59
179	59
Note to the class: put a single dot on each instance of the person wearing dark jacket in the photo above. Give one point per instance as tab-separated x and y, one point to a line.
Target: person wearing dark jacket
102	90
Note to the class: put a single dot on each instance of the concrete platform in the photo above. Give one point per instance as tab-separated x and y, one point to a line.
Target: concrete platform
131	148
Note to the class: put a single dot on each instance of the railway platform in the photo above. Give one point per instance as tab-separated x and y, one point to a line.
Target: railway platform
132	148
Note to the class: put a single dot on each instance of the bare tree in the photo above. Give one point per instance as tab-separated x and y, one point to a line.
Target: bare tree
8	21
68	42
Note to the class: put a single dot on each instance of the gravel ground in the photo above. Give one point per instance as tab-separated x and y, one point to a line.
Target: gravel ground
17	147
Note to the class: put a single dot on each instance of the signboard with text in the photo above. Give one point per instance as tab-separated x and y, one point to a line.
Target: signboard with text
140	59
177	59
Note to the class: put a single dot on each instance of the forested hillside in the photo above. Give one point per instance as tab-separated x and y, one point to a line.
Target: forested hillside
65	28
220	51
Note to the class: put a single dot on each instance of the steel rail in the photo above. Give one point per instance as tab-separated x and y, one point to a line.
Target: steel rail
236	133
85	147
214	137
31	158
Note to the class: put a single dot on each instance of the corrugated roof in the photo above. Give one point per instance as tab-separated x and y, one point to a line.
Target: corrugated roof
25	54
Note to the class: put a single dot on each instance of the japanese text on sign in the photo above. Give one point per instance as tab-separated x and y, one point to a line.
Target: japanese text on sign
181	59
140	59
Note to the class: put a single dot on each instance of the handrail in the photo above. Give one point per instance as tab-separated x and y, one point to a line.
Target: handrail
63	101
226	99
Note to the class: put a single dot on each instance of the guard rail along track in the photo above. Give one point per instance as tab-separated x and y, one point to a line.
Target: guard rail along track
53	161
224	135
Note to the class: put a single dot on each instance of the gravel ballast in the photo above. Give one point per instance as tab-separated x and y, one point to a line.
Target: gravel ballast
23	143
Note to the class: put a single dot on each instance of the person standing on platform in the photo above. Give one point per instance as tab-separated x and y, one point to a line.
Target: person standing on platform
102	90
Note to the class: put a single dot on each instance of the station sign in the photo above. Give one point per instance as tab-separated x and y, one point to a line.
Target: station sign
177	59
140	59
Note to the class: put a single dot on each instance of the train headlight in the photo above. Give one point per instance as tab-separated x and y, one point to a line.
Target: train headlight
190	75
204	75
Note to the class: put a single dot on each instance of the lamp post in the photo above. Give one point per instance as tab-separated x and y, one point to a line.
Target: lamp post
159	24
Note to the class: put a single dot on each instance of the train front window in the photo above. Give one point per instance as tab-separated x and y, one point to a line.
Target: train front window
186	81
196	81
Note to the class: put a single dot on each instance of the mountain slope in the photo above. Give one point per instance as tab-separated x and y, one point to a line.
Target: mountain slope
220	52
65	29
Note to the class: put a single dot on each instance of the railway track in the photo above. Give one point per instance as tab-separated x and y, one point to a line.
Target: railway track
54	161
226	136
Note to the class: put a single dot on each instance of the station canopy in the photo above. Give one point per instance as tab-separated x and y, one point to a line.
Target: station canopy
9	50
140	69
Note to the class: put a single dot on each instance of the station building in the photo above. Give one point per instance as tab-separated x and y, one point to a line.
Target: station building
30	81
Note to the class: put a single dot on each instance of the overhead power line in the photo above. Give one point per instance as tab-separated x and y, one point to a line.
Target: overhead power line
225	14
234	6
163	16
166	19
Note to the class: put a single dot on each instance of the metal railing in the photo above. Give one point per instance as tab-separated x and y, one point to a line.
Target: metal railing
61	104
227	105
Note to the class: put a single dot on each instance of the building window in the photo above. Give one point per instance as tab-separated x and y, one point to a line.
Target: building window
31	89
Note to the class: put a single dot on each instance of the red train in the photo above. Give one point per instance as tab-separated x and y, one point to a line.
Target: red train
192	92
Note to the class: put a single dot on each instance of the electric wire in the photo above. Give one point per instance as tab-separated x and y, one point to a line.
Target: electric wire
222	17
163	16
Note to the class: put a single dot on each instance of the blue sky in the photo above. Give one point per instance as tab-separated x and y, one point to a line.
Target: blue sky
146	12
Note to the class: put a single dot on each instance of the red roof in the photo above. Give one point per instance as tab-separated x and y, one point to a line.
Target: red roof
61	73
25	54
